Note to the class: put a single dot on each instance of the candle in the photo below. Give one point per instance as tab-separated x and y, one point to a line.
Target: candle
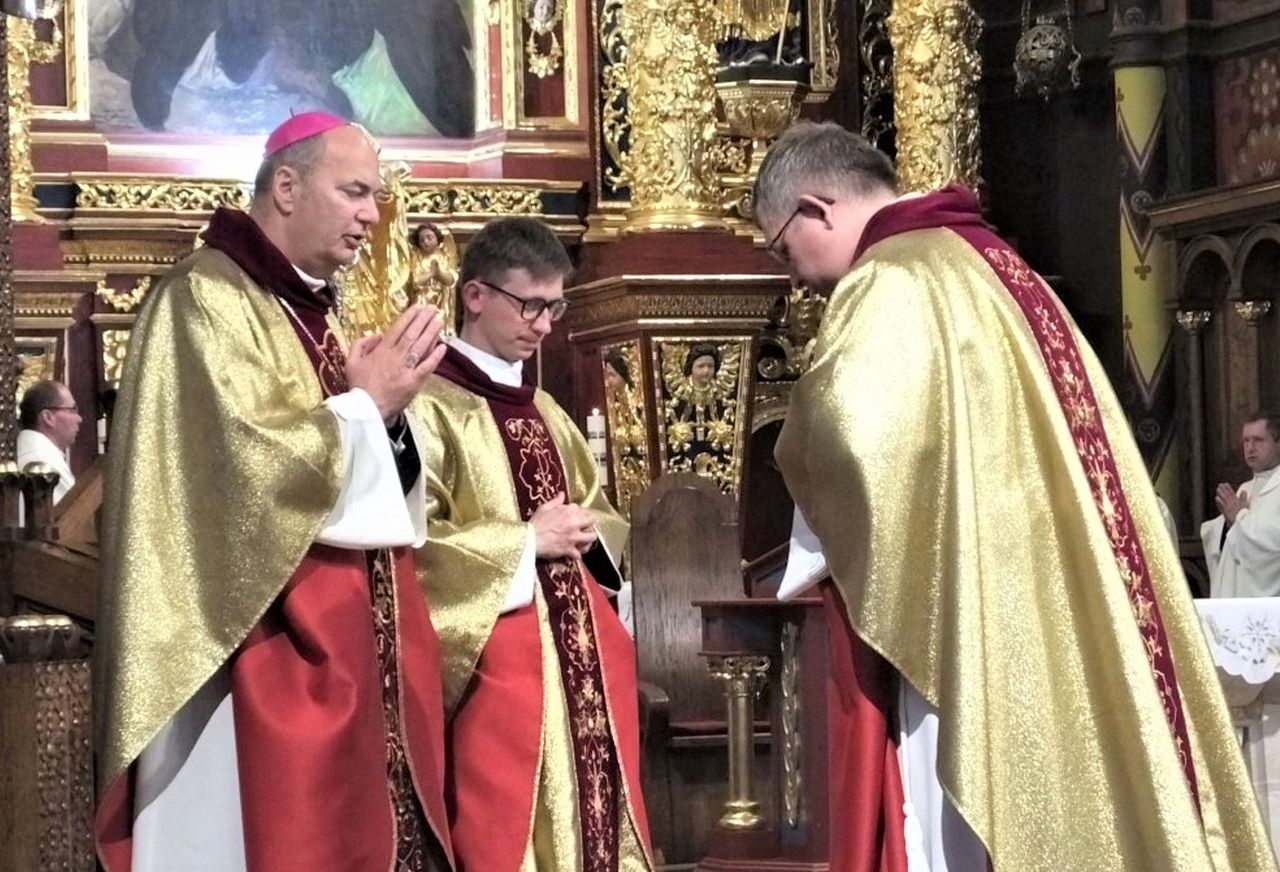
598	444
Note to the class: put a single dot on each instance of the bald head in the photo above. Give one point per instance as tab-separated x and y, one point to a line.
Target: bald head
315	199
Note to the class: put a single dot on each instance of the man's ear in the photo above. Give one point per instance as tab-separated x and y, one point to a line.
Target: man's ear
818	207
469	294
286	185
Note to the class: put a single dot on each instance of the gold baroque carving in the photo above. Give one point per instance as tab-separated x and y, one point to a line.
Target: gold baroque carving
877	70
793	331
632	307
472	200
64	770
125	301
628	418
24	49
701	393
71	41
936	70
37	361
614	125
824	38
125	252
160	195
792	763
543	49
48	305
670	72
115	346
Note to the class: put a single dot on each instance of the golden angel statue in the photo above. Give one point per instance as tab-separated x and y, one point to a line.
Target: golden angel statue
435	269
701	382
396	268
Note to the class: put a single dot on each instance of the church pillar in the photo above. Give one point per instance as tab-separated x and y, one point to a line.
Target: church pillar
936	67
1193	322
8	357
1147	267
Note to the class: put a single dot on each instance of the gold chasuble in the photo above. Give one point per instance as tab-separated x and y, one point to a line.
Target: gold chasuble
543	734
224	467
992	532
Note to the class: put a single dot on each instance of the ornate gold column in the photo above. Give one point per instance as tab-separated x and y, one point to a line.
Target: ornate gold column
670	73
24	50
936	67
743	675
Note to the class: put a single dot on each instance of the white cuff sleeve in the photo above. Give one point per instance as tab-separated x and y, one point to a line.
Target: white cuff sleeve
625	612
520	593
371	510
806	565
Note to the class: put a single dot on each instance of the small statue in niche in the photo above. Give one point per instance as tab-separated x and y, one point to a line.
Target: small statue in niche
700	410
541	15
543	49
434	259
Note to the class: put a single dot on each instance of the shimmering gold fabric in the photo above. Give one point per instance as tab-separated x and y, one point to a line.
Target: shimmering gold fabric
476	533
476	540
927	449
219	441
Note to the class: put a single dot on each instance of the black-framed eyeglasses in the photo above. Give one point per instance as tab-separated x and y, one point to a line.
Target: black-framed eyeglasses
772	246
62	408
531	310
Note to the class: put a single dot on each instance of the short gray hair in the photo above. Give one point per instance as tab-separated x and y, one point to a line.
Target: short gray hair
825	158
302	156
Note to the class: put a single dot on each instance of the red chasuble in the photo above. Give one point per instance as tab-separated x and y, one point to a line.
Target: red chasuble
336	691
496	732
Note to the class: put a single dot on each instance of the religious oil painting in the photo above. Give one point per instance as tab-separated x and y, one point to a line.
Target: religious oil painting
702	396
398	67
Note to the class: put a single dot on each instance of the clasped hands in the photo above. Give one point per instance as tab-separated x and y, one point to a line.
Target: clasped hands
1229	502
562	529
393	366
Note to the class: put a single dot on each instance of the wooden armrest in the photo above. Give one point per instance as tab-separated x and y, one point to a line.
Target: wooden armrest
655	715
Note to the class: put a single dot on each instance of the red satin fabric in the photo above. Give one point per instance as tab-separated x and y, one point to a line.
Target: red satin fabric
309	720
310	735
866	794
493	737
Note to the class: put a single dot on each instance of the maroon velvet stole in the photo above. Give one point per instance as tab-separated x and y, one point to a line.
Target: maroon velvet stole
384	706
573	609
956	209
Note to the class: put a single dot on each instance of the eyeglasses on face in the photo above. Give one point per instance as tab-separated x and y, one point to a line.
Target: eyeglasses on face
62	408
772	247
531	310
